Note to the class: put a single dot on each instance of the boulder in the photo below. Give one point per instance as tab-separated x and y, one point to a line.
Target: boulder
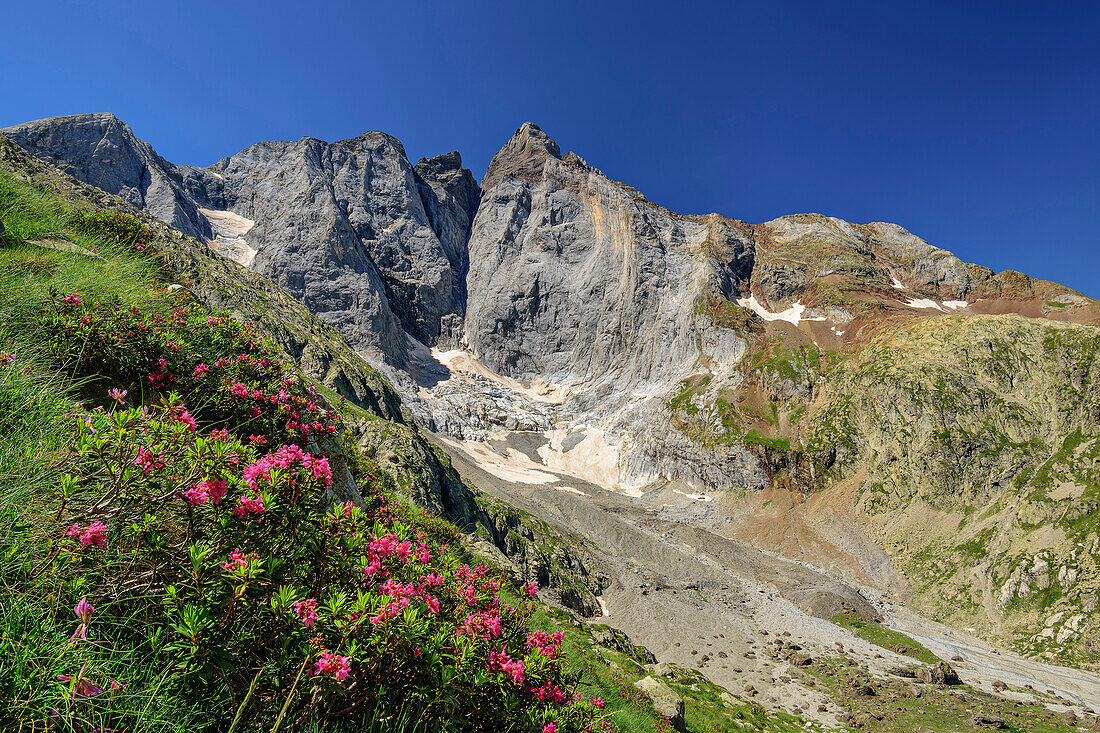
988	721
944	674
665	701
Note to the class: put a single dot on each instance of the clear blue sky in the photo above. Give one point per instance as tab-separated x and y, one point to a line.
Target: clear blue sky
975	125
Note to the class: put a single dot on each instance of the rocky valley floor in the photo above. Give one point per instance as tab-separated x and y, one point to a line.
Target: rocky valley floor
749	618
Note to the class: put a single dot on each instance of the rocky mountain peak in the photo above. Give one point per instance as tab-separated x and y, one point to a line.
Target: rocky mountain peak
522	156
440	164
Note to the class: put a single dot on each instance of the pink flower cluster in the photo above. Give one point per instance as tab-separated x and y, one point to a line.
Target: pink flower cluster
6	358
483	623
162	377
388	546
402	594
334	665
248	505
180	414
237	559
94	534
548	692
548	645
71	299
287	456
306	611
501	662
147	460
304	414
209	491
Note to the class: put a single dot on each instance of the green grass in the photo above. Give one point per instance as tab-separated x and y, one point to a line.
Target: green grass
883	637
895	709
34	433
28	272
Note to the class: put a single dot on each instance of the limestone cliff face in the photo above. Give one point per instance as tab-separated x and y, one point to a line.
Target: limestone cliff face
578	282
350	229
575	278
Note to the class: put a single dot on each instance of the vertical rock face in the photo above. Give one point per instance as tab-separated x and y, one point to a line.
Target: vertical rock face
371	245
578	281
342	228
451	197
103	151
576	278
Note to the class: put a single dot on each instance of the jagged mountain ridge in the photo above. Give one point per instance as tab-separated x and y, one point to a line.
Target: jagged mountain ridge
660	353
550	273
371	244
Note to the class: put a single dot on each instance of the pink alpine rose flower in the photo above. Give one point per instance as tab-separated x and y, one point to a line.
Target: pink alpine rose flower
306	611
94	534
332	664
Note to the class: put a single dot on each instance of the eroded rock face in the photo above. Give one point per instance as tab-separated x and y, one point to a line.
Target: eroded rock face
350	229
578	281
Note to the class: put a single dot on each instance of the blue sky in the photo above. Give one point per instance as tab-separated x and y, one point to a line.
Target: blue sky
974	125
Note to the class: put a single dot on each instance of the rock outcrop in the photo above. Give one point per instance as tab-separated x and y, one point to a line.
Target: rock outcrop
102	150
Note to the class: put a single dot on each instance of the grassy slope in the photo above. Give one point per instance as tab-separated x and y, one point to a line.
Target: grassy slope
33	432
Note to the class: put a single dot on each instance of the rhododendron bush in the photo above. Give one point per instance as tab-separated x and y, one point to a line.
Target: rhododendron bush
222	369
196	508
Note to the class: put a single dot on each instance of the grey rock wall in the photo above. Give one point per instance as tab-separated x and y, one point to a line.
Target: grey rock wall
371	245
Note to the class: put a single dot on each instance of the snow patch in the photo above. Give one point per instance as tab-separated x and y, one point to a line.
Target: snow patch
923	303
942	307
694	497
571	490
463	361
594	459
511	466
898	284
229	230
792	315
